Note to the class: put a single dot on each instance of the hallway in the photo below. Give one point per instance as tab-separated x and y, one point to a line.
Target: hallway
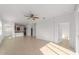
31	46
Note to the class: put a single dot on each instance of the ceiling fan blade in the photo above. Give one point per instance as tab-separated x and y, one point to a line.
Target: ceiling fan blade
36	17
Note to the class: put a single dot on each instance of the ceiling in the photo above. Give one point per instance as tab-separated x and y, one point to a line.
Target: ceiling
16	12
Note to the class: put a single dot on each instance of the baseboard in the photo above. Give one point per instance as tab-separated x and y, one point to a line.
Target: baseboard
44	39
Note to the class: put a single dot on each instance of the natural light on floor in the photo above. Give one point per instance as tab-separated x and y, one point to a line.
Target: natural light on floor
54	49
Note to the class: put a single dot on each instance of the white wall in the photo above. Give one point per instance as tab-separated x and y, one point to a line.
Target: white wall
44	29
8	29
29	29
77	28
77	33
1	35
47	29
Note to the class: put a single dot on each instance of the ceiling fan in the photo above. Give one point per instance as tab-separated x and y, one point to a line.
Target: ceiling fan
31	16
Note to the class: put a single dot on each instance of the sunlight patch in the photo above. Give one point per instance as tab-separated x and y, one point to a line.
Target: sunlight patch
53	49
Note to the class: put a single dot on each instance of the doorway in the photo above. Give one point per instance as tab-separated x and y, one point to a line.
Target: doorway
63	31
31	32
24	31
64	35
